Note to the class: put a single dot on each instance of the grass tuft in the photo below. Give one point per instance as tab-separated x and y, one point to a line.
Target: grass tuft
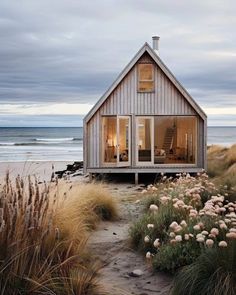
43	235
214	272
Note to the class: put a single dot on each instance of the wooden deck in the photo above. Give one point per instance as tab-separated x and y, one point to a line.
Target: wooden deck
162	169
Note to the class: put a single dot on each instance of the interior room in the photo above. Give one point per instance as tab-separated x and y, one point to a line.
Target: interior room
174	139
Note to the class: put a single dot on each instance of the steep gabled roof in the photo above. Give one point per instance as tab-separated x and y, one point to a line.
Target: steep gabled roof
146	48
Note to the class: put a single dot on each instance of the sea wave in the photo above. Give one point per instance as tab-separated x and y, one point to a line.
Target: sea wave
55	139
34	143
7	143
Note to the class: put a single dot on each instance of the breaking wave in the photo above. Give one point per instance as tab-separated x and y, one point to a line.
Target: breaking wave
55	139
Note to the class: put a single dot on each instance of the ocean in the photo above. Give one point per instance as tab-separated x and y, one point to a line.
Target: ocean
66	144
41	144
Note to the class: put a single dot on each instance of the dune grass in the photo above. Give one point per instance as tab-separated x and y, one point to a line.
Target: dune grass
43	235
92	201
214	272
221	166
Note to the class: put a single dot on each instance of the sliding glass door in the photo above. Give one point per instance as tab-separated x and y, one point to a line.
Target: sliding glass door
116	136
124	135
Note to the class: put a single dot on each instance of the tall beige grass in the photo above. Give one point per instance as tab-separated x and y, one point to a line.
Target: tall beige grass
92	201
221	165
43	236
216	160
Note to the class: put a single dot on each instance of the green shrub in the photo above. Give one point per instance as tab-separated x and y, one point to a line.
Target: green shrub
139	230
161	221
172	256
213	273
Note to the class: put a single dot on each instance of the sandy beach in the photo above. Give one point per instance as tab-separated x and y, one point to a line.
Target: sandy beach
41	169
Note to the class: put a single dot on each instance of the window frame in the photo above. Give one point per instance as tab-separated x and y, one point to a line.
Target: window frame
153	78
195	164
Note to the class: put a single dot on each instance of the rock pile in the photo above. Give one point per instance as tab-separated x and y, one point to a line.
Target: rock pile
75	169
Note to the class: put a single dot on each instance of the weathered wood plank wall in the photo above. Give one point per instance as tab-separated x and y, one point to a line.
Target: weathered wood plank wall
125	100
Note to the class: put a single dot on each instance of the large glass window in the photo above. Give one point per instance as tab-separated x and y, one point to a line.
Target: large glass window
174	140
145	77
116	140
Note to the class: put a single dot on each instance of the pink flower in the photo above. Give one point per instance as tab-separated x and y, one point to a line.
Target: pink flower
172	234
186	237
232	230
223	226
215	231
231	235
180	203
209	243
153	208
222	209
201	224
156	243
173	225
178	238
177	229
183	223
148	255
205	233
147	239
201	239
150	226
223	244
196	227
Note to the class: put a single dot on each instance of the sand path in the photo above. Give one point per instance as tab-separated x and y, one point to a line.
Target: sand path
111	245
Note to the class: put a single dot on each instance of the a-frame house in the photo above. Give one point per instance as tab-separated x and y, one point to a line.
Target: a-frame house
146	122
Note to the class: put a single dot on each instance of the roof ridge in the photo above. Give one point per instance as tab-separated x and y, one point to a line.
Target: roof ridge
146	48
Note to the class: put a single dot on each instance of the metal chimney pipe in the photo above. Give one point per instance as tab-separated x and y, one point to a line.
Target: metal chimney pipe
155	44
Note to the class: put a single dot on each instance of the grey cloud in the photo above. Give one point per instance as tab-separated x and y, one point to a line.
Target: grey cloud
223	120
41	121
64	50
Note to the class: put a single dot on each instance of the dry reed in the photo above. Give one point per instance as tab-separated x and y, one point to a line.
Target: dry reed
43	238
221	165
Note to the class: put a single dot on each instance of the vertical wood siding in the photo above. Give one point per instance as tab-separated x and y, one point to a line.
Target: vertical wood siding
125	100
201	160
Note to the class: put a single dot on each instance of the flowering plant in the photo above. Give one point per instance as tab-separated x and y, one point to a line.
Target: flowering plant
186	215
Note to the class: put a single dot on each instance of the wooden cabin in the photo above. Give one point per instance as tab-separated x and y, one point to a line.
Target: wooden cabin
146	122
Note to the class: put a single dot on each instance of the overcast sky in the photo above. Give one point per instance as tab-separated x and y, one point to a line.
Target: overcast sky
58	57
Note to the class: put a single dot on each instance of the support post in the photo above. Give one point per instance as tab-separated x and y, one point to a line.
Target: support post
90	177
136	178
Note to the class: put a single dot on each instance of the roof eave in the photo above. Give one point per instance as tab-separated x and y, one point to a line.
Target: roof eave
163	67
173	79
116	82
